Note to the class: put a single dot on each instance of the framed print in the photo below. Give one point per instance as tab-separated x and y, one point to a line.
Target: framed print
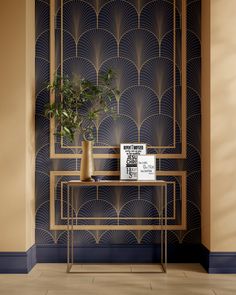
146	166
128	159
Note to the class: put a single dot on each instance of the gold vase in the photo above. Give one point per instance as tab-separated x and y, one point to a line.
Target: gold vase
87	164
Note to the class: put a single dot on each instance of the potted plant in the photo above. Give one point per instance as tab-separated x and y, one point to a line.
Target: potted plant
79	103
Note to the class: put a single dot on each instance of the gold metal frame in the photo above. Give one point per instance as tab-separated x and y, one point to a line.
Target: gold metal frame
54	226
181	155
163	220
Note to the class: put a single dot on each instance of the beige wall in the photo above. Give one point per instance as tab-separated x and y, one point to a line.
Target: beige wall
219	126
17	125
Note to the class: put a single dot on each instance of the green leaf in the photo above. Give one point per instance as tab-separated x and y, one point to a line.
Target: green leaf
65	114
66	130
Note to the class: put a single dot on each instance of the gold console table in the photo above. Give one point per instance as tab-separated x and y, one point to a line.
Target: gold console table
163	219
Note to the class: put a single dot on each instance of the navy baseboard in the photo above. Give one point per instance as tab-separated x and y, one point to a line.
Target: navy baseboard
218	262
119	253
18	262
213	262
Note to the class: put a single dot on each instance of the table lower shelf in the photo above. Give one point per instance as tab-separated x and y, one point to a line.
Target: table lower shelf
116	268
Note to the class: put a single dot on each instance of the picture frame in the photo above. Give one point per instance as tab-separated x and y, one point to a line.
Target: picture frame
146	167
128	159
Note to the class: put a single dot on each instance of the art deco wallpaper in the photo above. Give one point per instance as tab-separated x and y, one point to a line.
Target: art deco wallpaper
142	41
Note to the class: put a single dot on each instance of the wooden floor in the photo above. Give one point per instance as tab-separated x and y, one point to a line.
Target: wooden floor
181	279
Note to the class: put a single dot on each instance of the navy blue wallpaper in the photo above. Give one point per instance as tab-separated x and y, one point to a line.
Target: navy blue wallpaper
136	39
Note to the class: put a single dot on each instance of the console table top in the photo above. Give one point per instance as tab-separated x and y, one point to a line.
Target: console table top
117	183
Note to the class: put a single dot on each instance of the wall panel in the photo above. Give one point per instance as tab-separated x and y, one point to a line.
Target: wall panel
137	39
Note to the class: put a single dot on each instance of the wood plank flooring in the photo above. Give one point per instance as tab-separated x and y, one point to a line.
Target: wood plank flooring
181	279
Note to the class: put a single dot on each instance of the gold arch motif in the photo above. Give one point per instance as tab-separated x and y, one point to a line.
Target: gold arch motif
63	217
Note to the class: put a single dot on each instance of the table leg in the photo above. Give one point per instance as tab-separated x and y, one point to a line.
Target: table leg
68	229
165	202
72	226
161	223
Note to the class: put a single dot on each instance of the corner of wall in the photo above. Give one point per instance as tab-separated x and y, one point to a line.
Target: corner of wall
205	130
